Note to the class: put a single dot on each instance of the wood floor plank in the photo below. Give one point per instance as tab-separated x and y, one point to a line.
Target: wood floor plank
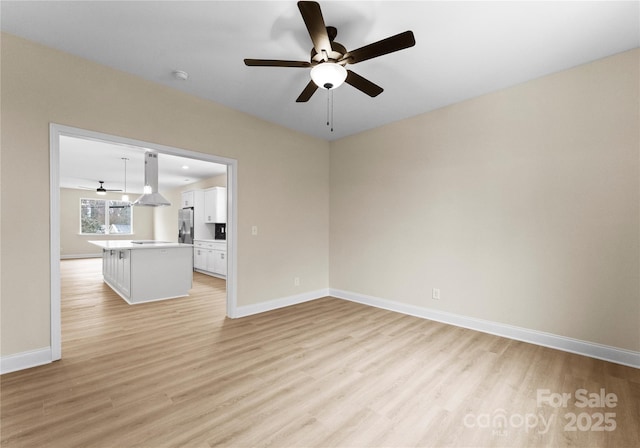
326	373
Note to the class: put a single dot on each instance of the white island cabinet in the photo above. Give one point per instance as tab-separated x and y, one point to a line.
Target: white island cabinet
145	271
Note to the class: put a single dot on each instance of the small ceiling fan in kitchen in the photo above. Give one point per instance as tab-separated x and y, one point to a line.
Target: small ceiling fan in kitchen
100	189
329	58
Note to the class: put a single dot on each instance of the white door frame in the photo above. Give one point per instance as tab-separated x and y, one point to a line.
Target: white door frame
57	130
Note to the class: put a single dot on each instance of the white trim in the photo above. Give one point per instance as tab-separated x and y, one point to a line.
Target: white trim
232	242
71	256
263	307
25	360
57	130
54	242
210	274
607	353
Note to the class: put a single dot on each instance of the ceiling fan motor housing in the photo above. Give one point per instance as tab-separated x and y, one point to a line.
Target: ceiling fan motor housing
334	54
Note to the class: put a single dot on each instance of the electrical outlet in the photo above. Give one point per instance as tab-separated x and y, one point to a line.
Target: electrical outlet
254	230
435	294
296	281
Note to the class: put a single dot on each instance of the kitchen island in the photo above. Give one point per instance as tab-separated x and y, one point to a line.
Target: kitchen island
146	270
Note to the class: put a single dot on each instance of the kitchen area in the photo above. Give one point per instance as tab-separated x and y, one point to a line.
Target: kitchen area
202	222
164	238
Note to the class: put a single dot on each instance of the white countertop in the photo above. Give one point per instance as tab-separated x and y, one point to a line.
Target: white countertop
136	244
219	243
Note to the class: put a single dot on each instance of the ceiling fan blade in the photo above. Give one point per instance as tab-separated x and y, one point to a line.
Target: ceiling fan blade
363	84
106	189
307	92
275	63
312	16
384	46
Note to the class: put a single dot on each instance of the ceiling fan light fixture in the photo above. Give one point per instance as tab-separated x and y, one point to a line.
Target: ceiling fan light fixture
101	192
328	75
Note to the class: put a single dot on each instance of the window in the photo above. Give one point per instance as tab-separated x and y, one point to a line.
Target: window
103	216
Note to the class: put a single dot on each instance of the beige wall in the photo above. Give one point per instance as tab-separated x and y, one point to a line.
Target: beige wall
215	181
40	86
522	206
73	244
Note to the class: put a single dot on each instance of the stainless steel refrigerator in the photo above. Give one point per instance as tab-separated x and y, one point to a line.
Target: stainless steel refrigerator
185	225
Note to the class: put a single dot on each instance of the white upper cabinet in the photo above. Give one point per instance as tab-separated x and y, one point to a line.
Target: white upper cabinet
188	199
215	205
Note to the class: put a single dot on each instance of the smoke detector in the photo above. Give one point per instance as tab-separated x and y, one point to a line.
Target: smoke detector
180	75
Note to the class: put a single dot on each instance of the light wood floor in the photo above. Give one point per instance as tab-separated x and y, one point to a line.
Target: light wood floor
327	373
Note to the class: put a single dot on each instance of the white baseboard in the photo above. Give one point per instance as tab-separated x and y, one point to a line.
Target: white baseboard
71	256
25	360
262	307
210	274
607	353
33	358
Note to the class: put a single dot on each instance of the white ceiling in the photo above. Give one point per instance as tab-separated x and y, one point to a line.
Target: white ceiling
85	162
463	49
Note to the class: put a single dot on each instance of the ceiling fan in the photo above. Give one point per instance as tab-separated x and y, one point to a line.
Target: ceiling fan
100	189
329	58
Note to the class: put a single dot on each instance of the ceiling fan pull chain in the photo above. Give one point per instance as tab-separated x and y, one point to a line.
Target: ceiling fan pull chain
328	106
331	96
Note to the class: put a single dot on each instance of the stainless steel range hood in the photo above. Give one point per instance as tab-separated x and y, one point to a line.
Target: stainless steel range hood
151	197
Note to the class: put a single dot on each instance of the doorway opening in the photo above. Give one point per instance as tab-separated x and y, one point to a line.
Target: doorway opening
198	164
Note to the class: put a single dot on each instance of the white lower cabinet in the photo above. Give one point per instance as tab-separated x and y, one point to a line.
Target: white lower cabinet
123	274
210	257
200	258
106	264
220	262
116	269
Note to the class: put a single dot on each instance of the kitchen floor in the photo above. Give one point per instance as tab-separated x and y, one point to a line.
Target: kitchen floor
93	315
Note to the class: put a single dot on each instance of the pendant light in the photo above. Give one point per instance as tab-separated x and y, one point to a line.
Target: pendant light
125	196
